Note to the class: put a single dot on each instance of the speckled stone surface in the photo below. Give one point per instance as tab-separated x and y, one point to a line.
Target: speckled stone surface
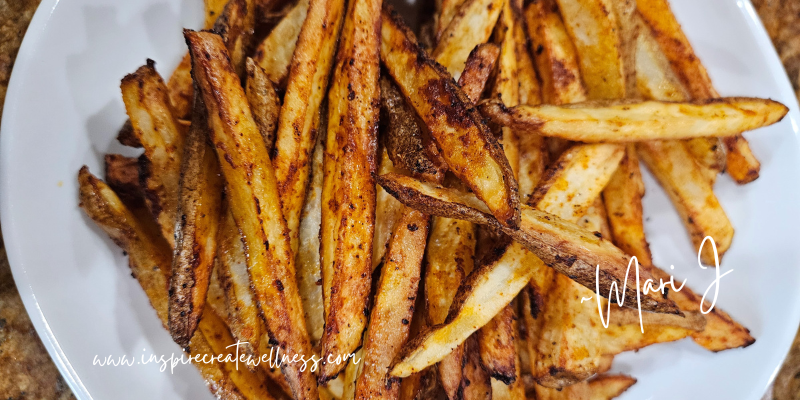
26	371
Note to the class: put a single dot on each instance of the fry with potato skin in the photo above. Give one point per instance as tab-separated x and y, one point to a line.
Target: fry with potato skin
393	307
274	53
264	102
122	175
254	201
146	250
471	26
477	68
199	207
624	121
162	136
387	209
477	384
349	169
607	387
470	149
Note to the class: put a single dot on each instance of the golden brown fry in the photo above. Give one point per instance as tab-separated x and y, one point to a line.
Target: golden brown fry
625	121
264	102
297	127
618	337
162	136
387	211
554	54
199	207
741	164
393	306
691	194
446	9
181	89
623	200
471	26
351	373
570	184
244	321
530	91
470	149
561	244
348	202
122	174
607	387
254	201
274	54
477	68
235	25
213	9
477	384
596	219
146	250
496	344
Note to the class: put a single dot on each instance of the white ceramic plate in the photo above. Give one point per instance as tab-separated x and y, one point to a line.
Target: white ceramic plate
63	110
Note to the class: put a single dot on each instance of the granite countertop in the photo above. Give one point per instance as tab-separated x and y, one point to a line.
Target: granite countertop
26	371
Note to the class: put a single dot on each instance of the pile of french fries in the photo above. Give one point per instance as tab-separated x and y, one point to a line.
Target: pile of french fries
424	215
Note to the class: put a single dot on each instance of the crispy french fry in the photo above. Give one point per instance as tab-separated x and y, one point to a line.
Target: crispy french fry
570	185
618	338
254	201
691	194
351	373
563	245
471	25
623	200
274	53
477	384
181	89
446	10
530	91
348	197
607	387
235	25
477	68
625	121
393	306
596	219
741	164
122	174
387	211
297	125
213	8
264	102
146	249
443	107
162	136
199	208
496	344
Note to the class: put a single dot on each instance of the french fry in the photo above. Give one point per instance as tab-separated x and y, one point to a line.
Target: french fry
351	373
741	163
297	125
623	200
146	250
477	68
625	121
387	210
348	197
254	201
691	194
444	109
446	9
496	344
199	208
618	337
477	384
393	306
213	8
274	53
122	175
530	91
471	25
235	25
264	102
181	90
162	136
596	219
607	387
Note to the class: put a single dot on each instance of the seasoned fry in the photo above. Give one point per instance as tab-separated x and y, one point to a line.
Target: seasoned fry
471	25
562	245
477	68
348	197
213	8
274	53
297	126
530	91
607	387
618	337
199	207
162	136
181	89
691	194
444	109
623	201
741	164
477	384
146	250
387	211
446	10
122	175
235	26
496	344
264	102
570	185
624	121
351	373
393	306
254	201
596	219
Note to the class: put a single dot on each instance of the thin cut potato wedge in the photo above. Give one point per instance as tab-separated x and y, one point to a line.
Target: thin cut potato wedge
607	387
274	53
479	65
496	344
122	174
162	136
213	9
618	337
595	32
264	102
299	117
446	9
393	307
254	201
741	164
348	197
472	25
147	250
387	211
530	91
626	121
467	144
235	26
199	208
691	194
477	384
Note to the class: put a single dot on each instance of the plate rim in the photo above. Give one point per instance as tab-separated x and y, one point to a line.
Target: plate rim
33	36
